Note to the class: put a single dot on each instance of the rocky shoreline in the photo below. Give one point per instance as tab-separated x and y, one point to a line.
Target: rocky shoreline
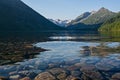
12	52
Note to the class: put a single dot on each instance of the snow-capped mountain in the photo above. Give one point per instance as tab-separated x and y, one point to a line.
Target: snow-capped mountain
62	23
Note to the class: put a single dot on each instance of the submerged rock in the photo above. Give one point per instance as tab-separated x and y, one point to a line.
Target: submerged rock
53	65
116	76
104	67
13	73
25	78
15	77
72	61
3	78
12	52
72	78
30	74
41	65
58	73
73	68
87	68
92	75
45	76
76	73
84	77
90	72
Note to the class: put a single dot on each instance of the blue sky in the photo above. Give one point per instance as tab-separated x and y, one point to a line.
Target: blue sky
70	9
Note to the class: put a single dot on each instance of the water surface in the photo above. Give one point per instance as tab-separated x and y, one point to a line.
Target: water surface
70	50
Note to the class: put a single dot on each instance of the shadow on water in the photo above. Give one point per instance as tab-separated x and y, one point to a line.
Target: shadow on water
85	36
60	35
25	36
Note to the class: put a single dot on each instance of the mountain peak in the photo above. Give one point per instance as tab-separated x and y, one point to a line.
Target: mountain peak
60	22
95	17
103	9
93	12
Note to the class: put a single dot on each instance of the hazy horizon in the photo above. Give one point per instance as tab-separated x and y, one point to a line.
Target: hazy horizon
66	9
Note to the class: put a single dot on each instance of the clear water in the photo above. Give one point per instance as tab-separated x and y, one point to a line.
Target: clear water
65	51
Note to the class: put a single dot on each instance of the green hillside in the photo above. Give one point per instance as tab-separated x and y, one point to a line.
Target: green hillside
99	17
112	24
92	20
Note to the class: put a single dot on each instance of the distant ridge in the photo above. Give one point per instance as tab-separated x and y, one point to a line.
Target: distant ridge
100	16
80	18
93	19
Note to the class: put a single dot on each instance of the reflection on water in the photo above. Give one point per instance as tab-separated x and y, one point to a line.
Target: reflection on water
86	36
61	35
65	38
112	36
